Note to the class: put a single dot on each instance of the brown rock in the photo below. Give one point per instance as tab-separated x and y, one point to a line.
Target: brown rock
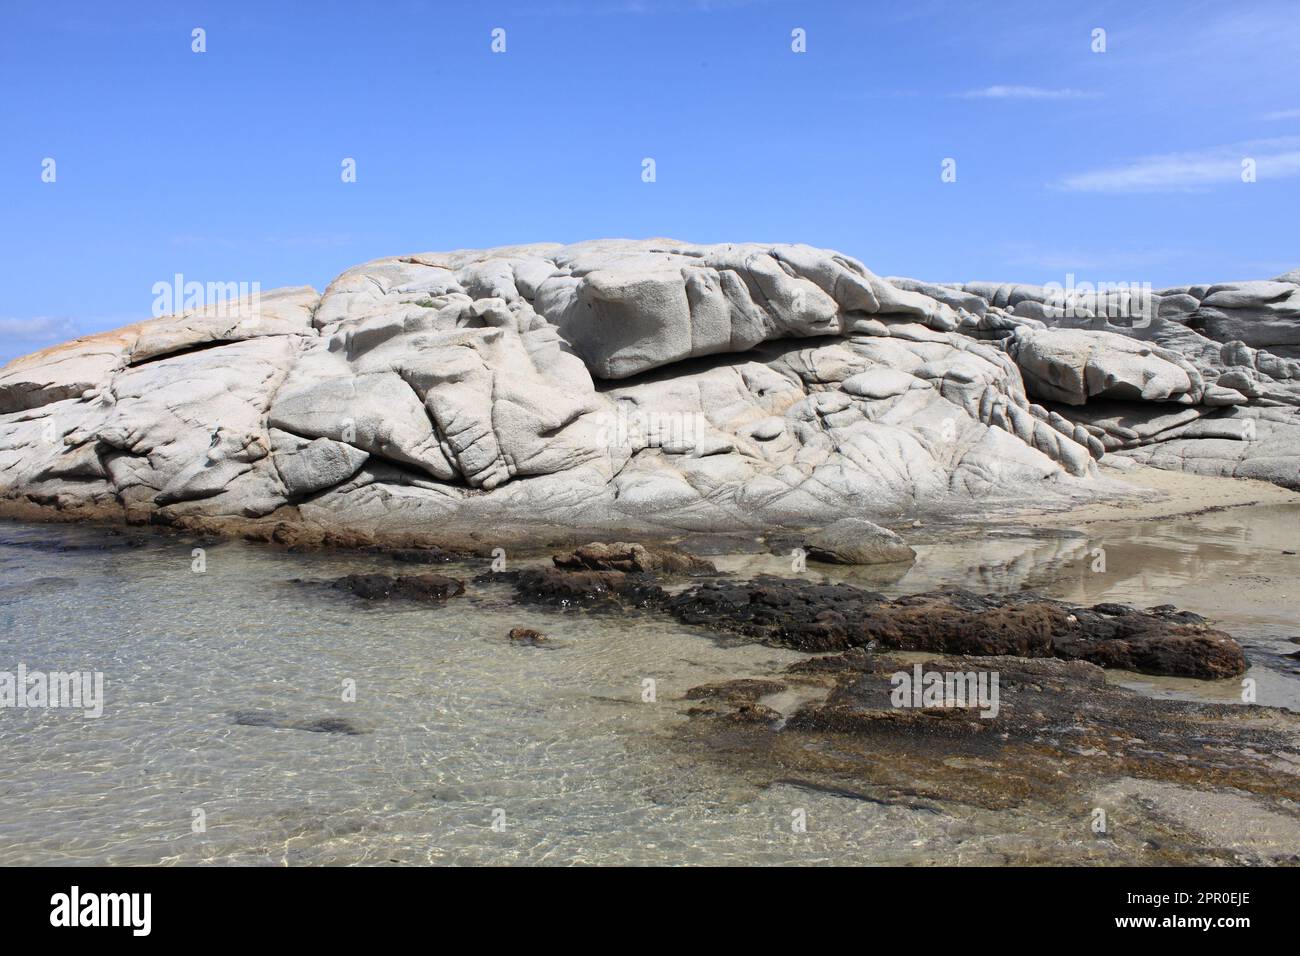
1061	735
528	636
632	559
818	617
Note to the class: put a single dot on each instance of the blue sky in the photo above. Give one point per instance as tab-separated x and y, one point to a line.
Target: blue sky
225	165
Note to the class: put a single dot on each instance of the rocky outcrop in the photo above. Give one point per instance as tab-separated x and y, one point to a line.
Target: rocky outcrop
601	590
824	617
636	386
1061	743
1203	379
632	558
1075	366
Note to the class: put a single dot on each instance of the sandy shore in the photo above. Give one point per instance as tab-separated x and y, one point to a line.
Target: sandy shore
1172	493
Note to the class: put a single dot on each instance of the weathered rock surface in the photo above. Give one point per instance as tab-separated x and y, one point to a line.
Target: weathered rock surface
637	386
857	541
825	617
633	559
1075	366
1216	392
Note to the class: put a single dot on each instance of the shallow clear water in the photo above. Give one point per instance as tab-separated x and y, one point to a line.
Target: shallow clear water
459	728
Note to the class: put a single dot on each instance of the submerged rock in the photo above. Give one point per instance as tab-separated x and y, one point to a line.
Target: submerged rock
417	587
279	721
745	691
527	636
822	617
857	541
1057	744
598	589
422	555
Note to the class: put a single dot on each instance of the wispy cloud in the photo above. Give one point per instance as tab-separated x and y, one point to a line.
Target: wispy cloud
1277	158
21	336
1282	115
40	329
1025	93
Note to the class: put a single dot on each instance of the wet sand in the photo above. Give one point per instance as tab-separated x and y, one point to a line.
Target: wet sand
1172	493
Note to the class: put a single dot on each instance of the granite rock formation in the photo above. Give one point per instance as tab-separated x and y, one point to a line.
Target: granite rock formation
642	385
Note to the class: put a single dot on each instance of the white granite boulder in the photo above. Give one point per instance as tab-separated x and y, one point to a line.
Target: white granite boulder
857	541
628	386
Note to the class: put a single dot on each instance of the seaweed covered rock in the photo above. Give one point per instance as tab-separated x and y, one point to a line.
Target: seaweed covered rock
415	587
597	589
1045	745
821	617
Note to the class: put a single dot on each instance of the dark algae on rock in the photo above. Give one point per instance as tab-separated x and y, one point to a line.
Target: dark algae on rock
592	589
415	587
824	617
1063	744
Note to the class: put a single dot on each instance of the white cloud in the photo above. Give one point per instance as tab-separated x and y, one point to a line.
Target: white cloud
40	329
1025	93
1195	170
21	336
1282	115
